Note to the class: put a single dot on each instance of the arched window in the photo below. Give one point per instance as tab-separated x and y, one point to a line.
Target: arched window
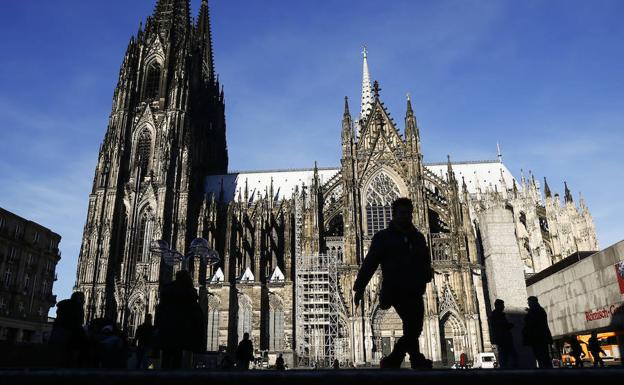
380	194
276	327
152	81
336	227
144	237
144	151
244	316
213	326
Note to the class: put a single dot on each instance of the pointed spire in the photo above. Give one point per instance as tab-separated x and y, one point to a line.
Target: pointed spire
547	189
450	172
346	107
502	180
367	96
410	111
499	155
568	194
204	33
582	203
246	190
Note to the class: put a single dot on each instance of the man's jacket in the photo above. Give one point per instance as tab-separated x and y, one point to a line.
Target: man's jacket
405	264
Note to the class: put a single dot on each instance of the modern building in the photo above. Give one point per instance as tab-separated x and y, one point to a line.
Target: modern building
28	257
291	241
580	294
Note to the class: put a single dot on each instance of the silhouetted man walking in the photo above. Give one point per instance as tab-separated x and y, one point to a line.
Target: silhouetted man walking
68	337
402	252
536	333
244	353
595	349
502	337
145	342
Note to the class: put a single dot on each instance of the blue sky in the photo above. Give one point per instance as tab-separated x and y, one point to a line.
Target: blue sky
543	78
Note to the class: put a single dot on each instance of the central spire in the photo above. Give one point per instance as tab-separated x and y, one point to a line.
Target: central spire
367	94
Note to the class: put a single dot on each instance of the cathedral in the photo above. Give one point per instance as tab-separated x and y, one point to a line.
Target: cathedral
291	241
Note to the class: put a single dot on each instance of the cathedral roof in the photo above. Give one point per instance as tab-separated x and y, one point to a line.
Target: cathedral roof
259	182
477	174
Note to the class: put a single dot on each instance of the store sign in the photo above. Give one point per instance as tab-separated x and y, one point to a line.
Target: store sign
602	313
619	272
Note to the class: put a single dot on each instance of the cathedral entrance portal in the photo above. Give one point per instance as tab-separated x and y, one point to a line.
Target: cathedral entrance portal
387	329
453	338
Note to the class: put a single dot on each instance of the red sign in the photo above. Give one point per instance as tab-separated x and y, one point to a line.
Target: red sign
619	271
605	312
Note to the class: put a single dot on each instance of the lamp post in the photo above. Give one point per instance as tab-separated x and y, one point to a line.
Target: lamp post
199	248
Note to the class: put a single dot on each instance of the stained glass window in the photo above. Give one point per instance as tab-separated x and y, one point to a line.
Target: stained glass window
380	194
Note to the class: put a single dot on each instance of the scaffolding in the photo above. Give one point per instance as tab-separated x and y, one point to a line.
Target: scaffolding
319	317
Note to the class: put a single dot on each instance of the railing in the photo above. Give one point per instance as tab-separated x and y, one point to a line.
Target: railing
334	247
441	248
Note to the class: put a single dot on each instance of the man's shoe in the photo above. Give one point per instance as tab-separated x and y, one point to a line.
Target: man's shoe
390	362
420	362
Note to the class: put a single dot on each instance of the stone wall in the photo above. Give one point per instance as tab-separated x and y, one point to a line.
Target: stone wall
581	297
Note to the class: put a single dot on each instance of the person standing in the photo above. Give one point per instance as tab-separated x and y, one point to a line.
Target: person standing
244	353
403	254
502	337
595	349
68	336
279	363
536	333
145	342
179	321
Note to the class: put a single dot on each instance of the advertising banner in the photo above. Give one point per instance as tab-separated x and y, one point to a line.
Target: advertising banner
619	271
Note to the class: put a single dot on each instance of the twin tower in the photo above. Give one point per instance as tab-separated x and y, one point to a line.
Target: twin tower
166	132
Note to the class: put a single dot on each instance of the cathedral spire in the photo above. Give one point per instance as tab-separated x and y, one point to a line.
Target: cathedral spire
346	107
568	194
204	33
547	192
410	111
367	95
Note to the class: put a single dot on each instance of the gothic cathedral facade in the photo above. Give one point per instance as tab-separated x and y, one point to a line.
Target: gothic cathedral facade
162	174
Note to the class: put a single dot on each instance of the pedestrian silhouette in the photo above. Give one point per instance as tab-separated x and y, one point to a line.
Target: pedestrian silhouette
336	364
403	254
145	342
244	353
68	338
112	348
536	333
279	363
593	345
463	358
179	321
502	337
576	351
617	323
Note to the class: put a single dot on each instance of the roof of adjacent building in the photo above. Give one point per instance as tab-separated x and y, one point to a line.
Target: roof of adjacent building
477	174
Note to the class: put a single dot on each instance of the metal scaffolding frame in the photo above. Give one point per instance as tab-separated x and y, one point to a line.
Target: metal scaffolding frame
319	311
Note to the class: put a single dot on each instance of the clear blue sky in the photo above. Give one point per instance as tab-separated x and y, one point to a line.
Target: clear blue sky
544	78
